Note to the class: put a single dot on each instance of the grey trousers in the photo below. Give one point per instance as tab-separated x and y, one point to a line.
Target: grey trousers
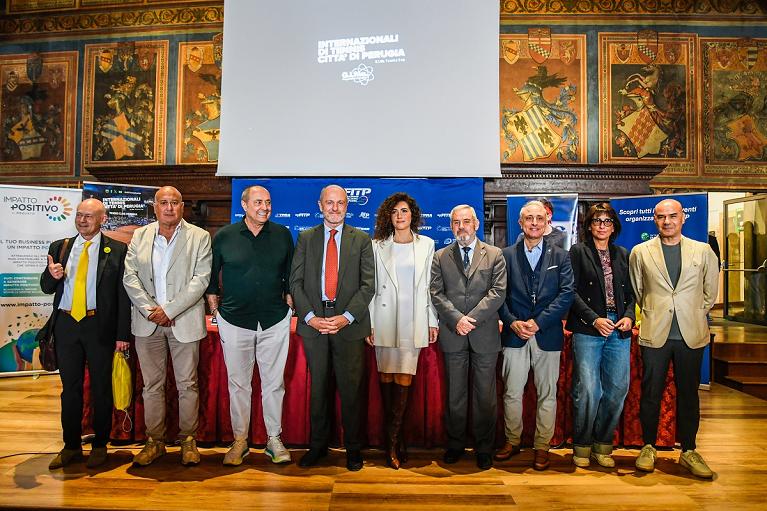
517	363
153	357
484	401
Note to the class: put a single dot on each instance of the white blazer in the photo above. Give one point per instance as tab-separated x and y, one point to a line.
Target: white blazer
383	307
186	282
691	299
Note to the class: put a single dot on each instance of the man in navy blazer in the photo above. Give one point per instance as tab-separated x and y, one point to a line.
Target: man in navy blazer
539	292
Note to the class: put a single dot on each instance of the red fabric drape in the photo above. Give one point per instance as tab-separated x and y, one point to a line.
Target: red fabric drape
424	420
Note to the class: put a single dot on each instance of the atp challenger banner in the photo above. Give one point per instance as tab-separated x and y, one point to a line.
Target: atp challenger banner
564	217
638	225
294	201
31	218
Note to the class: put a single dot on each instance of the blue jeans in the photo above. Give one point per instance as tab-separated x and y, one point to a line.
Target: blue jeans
600	384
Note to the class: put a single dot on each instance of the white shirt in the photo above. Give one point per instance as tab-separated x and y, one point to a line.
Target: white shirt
71	269
162	249
472	246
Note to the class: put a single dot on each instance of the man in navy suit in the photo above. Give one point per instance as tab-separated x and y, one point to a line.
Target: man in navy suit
539	292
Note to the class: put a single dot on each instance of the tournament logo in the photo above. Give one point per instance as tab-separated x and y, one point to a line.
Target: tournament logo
361	75
645	236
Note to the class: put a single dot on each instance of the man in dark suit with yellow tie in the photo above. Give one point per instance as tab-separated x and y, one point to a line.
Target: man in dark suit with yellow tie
332	281
92	320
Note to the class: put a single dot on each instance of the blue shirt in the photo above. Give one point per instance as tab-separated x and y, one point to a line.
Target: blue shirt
534	254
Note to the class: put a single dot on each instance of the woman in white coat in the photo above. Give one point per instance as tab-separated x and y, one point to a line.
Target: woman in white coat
401	314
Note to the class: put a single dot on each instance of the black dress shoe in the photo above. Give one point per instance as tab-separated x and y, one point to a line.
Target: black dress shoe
453	455
313	456
484	461
354	460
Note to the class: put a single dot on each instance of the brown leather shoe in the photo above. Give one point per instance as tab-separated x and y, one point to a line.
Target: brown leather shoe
507	451
540	459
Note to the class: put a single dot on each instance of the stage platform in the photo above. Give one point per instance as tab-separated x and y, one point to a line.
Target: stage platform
733	429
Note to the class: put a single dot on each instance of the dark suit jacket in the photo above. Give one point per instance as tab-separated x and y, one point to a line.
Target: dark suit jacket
553	297
112	303
589	303
356	280
476	292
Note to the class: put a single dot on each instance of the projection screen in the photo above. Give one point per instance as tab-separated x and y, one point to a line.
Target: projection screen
360	88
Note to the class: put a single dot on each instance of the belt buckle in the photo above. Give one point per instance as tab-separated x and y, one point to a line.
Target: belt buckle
329	304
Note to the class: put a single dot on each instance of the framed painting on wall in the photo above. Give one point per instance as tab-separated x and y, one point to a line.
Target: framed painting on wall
38	92
734	113
647	84
198	105
543	97
124	103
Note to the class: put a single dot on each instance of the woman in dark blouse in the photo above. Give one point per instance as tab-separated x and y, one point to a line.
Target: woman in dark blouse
601	319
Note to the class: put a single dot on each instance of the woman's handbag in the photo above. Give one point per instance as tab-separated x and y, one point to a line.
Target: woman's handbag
44	336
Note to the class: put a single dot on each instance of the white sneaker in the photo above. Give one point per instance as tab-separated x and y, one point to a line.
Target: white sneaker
237	452
646	459
580	461
693	461
276	451
604	460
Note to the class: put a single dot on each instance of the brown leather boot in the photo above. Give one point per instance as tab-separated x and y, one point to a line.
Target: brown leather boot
386	392
398	405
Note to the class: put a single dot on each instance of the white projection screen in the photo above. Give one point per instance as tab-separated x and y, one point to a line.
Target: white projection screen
360	88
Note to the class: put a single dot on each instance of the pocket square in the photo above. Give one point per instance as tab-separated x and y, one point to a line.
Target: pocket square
552	267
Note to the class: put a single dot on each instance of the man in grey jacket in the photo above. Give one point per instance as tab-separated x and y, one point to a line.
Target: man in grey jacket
468	286
167	270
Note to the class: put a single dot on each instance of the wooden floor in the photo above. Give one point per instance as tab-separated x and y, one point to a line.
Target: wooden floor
732	439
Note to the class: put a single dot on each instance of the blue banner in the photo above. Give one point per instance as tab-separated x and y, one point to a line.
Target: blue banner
638	225
564	216
294	201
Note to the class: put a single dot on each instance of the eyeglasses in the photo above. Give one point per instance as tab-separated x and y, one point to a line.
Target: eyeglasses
602	221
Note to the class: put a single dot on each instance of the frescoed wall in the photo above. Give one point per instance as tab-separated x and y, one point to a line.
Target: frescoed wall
94	84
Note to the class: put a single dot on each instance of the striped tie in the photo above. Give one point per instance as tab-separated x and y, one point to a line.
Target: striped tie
79	296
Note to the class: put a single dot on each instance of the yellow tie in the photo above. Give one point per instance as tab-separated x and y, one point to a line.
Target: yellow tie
79	296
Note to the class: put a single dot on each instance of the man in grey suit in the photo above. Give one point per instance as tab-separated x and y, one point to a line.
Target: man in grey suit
468	286
332	281
167	270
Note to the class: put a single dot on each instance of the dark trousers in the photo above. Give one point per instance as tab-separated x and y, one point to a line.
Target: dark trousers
76	343
323	354
484	400
687	363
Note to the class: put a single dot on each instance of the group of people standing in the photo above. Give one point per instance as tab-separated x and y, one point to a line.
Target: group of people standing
399	295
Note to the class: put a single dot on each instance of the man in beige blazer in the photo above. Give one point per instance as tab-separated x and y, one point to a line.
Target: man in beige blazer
468	286
676	283
167	270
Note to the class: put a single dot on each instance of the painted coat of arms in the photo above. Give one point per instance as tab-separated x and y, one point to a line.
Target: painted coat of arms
543	97
199	101
734	135
37	113
124	103
647	90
